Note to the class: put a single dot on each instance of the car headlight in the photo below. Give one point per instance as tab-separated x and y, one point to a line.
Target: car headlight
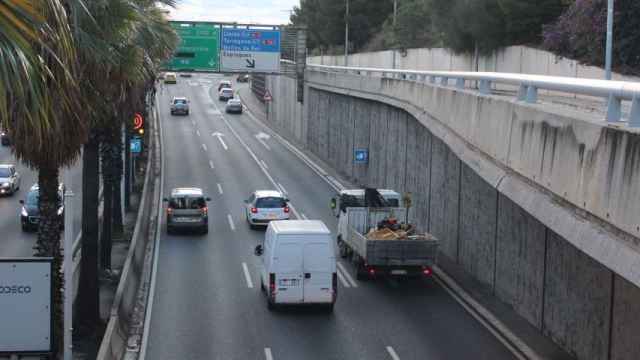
24	212
6	184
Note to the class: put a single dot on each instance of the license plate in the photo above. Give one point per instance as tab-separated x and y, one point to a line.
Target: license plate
398	272
186	220
272	216
289	282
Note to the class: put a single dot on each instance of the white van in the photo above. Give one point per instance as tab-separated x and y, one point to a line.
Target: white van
298	264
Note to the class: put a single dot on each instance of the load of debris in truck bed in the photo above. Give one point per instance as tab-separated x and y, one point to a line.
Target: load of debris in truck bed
390	229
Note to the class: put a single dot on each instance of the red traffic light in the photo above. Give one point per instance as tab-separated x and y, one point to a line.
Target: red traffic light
138	121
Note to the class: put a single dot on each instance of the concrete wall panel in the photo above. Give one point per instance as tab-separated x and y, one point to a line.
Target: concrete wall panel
418	172
520	260
577	300
478	214
625	334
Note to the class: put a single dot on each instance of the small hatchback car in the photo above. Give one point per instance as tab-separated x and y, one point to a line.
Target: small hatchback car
264	206
179	105
187	209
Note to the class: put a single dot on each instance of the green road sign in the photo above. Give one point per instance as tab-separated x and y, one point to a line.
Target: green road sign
198	49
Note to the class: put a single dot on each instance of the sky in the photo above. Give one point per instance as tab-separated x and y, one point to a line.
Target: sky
270	12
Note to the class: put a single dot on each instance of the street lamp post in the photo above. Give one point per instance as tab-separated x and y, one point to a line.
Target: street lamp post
346	35
609	49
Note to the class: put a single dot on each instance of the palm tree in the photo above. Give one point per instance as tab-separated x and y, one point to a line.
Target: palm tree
41	106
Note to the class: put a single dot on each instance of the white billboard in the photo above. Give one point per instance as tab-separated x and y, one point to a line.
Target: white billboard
25	305
249	50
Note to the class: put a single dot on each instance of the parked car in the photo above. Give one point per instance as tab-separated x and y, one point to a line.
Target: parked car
170	78
185	74
298	264
264	206
4	138
187	210
225	94
30	212
234	106
224	84
9	179
179	105
243	78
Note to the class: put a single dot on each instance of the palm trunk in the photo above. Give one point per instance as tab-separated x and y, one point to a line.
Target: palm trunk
116	153
107	206
48	244
88	301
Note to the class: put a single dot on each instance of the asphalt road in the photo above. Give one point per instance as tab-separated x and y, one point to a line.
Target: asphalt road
13	241
206	307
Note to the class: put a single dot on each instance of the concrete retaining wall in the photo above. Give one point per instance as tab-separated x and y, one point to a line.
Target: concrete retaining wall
500	226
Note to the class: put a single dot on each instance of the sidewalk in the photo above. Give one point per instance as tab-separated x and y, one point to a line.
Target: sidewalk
511	326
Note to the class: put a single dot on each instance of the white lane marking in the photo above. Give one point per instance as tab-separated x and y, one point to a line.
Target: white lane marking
219	136
247	276
220	189
344	282
304	216
204	147
255	158
347	275
264	164
267	354
393	354
282	188
198	132
231	224
193	122
264	144
211	164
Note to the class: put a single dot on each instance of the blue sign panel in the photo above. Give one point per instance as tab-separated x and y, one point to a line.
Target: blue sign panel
361	156
136	145
249	50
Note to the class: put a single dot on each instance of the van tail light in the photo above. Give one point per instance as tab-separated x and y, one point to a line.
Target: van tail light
272	286
169	210
334	286
286	209
372	271
204	210
426	271
254	210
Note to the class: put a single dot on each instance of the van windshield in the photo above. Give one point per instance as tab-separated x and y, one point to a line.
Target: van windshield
187	202
271	203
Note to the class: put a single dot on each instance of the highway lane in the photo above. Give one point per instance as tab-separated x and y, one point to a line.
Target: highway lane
205	307
14	242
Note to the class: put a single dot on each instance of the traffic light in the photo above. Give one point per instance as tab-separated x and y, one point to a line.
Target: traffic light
138	124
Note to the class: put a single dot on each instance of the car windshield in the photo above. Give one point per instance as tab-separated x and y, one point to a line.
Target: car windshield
187	202
5	172
270	203
227	91
32	198
180	101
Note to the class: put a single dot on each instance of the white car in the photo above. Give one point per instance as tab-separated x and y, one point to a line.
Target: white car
298	264
233	106
225	94
264	206
9	180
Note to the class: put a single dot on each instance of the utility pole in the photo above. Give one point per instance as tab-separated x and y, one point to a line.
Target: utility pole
609	49
346	35
395	15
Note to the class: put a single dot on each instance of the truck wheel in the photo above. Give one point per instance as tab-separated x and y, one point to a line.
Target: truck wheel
270	306
329	308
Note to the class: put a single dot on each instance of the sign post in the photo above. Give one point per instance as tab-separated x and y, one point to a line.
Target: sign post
249	50
26	305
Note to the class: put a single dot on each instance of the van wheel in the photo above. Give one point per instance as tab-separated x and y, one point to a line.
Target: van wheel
170	230
329	308
270	306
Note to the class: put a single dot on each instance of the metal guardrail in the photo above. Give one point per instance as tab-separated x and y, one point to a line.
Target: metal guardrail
528	85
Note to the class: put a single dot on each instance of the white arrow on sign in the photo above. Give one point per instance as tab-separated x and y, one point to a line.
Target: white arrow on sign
262	137
219	136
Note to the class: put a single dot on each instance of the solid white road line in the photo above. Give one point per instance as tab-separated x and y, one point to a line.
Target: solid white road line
344	282
211	165
282	188
347	275
220	189
247	276
264	164
198	132
231	224
204	147
393	354
264	144
267	354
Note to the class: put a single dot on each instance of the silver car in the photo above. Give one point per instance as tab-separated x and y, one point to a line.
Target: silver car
264	206
234	106
179	105
9	180
187	210
225	94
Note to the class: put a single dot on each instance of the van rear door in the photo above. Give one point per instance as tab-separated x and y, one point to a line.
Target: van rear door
319	266
288	272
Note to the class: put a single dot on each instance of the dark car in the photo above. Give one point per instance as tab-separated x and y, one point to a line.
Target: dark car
187	209
243	78
30	213
4	138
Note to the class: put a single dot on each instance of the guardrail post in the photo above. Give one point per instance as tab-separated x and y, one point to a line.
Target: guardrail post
444	81
485	87
614	111
532	94
634	114
460	83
